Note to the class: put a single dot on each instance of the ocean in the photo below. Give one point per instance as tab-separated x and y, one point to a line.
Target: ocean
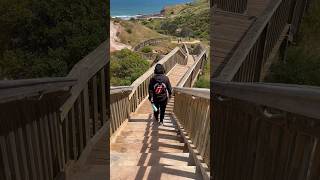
130	8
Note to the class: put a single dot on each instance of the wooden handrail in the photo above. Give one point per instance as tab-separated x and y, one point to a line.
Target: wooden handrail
196	92
192	109
252	57
191	75
248	42
18	89
269	130
30	137
298	99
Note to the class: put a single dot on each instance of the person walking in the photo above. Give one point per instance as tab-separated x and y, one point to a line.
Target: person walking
160	91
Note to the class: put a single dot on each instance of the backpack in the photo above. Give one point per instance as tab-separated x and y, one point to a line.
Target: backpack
160	89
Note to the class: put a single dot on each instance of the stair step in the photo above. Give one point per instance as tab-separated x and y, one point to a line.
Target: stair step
142	127
148	148
134	133
150	159
149	139
155	172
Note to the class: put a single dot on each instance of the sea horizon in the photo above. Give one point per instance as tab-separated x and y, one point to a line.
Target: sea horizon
126	9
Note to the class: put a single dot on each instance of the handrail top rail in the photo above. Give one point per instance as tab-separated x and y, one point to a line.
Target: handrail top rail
11	90
120	89
248	41
189	71
298	99
197	92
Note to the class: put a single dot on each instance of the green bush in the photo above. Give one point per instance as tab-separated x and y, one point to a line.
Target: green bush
126	66
146	49
202	82
302	65
299	68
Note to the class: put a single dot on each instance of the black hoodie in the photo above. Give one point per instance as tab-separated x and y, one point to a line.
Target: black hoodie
159	77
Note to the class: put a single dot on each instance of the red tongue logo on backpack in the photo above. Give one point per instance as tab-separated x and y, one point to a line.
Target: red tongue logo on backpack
159	89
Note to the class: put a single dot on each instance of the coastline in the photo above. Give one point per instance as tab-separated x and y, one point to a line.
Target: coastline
141	16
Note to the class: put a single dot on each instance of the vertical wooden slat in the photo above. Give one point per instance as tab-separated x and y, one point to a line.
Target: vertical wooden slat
86	112
73	135
66	138
56	124
31	152
80	124
37	151
103	96
23	153
4	157
95	103
48	139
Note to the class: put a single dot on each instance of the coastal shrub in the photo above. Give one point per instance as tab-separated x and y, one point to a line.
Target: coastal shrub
126	66
146	49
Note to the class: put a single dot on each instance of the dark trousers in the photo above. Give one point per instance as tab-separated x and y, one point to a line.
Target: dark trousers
161	106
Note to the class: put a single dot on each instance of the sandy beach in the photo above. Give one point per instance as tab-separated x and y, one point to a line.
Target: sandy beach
115	44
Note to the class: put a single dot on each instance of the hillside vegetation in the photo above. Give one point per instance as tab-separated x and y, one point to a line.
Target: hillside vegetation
302	65
46	38
187	20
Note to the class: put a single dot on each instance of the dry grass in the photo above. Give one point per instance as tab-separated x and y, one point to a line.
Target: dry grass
133	33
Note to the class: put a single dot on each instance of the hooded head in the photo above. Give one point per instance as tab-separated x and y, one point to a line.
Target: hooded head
159	69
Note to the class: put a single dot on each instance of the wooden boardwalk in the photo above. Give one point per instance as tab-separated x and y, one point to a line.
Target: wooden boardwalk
228	29
145	150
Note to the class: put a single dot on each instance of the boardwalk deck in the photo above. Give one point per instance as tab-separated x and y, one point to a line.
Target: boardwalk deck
228	29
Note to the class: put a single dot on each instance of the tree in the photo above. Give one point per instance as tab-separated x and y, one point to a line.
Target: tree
186	32
46	38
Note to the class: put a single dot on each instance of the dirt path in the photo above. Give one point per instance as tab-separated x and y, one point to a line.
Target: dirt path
115	45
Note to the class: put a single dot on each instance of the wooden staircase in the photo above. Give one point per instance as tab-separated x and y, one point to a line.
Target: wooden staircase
146	150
